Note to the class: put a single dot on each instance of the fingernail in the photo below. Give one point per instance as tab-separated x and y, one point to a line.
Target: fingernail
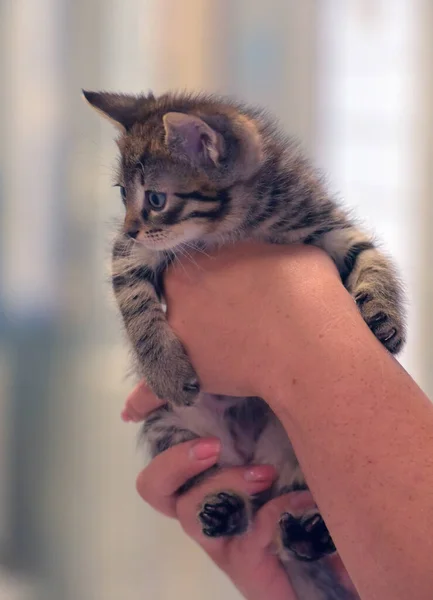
206	449
260	473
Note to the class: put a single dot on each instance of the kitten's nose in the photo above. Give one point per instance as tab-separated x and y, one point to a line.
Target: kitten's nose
133	233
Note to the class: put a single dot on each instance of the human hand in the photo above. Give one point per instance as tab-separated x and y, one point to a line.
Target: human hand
247	560
234	312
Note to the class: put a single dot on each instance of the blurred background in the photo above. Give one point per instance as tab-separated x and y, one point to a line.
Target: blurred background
352	79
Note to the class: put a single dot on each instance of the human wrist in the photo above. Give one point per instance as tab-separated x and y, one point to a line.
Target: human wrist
315	342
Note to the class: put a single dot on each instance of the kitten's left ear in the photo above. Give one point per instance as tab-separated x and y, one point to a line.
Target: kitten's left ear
120	109
194	138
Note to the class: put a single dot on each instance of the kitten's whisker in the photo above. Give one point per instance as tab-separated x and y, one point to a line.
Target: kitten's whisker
165	257
188	256
191	258
196	249
179	249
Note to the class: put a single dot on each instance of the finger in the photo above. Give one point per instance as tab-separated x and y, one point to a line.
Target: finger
158	482
245	481
129	414
140	402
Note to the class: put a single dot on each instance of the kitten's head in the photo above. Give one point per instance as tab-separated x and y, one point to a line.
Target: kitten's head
181	157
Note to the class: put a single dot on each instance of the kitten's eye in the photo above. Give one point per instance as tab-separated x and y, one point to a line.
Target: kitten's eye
156	200
123	193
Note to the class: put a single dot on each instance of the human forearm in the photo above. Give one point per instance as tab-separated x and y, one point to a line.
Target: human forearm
363	432
277	322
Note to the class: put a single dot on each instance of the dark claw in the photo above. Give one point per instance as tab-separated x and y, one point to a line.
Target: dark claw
378	319
211	509
312	523
362	298
206	519
191	387
225	496
390	335
230	498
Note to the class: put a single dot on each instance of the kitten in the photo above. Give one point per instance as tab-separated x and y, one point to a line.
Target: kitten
195	172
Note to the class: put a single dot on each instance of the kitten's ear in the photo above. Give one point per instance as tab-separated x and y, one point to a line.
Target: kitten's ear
192	137
120	109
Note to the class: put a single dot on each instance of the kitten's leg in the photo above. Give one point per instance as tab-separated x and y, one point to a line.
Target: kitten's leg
162	360
162	430
227	513
302	535
316	581
371	279
302	541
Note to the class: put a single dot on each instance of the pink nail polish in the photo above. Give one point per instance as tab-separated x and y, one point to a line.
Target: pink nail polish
260	473
206	449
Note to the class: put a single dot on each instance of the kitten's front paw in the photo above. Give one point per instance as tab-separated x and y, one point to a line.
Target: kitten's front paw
383	319
171	376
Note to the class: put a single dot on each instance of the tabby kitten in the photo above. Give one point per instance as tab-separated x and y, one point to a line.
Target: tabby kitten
195	172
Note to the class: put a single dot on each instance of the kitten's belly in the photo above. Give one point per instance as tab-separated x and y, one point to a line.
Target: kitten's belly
248	430
208	418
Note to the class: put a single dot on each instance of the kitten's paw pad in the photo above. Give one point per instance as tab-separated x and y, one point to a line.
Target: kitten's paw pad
172	377
223	514
386	325
307	537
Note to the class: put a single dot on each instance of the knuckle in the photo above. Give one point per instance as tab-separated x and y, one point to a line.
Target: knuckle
143	488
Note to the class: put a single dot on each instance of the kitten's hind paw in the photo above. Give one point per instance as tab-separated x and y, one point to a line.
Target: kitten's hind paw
223	514
306	537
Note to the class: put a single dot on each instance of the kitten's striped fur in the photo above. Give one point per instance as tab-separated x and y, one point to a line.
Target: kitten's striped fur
229	174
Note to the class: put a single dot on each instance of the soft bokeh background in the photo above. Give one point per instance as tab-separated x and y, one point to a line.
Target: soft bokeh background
351	78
